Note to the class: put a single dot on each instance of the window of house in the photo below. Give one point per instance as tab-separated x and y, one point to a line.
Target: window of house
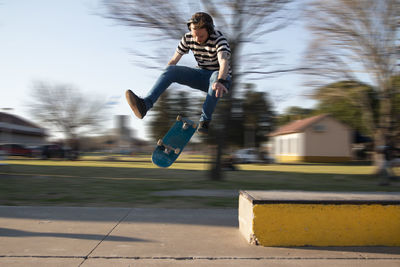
319	128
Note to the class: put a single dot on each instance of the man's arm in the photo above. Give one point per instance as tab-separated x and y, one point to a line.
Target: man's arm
223	60
175	59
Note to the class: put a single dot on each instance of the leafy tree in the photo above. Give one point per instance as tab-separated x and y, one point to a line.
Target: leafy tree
294	113
358	40
182	104
170	104
161	117
347	107
252	118
396	109
236	133
258	117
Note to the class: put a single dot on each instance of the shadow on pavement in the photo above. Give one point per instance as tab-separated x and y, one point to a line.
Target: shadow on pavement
8	232
211	217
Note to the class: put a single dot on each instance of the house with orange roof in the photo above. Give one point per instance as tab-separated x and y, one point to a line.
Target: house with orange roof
319	138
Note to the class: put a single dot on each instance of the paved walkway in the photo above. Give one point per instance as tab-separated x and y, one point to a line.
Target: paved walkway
70	236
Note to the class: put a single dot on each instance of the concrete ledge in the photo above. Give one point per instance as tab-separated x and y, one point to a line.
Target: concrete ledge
298	218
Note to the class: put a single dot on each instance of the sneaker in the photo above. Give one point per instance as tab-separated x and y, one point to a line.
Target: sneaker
136	103
203	127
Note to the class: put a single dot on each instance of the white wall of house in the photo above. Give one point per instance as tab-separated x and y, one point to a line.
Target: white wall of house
19	134
15	138
289	144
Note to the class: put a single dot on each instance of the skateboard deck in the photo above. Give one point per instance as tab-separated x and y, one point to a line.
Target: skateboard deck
170	147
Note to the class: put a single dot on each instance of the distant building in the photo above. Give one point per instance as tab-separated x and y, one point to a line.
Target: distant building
123	134
316	139
124	138
120	139
16	130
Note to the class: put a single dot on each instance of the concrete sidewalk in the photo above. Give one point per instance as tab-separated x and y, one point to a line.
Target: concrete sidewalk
72	236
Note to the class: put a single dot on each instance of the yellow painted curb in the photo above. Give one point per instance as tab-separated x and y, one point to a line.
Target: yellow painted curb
275	218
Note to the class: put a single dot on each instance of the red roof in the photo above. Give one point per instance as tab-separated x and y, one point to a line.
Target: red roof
298	126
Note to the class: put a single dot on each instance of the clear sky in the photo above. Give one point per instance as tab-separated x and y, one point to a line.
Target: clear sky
64	41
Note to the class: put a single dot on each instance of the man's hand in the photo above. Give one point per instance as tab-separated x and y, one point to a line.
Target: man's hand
219	89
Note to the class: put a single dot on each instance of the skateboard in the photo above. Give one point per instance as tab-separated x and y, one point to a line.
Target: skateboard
170	147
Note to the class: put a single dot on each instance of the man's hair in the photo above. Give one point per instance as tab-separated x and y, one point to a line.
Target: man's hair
201	20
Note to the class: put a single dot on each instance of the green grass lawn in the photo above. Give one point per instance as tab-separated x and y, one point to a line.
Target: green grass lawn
132	182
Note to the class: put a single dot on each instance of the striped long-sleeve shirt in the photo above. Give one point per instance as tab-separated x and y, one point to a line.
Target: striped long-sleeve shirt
205	54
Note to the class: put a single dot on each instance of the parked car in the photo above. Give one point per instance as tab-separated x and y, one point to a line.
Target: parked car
15	150
57	151
251	155
36	151
52	151
246	155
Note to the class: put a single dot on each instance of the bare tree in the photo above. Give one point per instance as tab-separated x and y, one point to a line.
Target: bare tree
64	108
358	40
241	21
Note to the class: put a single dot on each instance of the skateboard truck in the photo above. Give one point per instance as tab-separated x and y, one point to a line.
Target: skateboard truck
186	124
167	148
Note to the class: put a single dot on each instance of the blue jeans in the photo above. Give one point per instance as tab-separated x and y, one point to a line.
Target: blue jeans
200	79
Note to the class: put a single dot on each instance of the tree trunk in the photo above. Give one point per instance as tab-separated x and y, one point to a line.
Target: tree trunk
223	129
379	157
382	140
216	170
222	137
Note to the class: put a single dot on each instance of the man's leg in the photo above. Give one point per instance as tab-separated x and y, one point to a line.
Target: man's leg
192	77
211	99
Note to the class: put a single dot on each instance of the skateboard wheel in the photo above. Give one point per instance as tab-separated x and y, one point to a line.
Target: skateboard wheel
177	150
159	142
194	125
185	126
179	118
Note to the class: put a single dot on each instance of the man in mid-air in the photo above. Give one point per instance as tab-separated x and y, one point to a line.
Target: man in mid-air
213	74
